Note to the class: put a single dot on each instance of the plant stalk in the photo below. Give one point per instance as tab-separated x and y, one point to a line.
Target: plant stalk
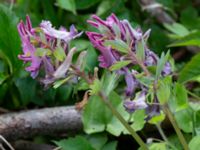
162	132
164	137
123	121
113	110
176	128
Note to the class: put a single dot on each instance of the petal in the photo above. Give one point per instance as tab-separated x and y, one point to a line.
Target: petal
63	68
28	23
94	24
131	83
49	69
167	69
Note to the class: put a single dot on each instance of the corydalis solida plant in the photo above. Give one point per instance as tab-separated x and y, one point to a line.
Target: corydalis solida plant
118	42
47	50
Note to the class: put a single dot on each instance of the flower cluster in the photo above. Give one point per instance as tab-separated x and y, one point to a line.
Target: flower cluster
117	41
46	50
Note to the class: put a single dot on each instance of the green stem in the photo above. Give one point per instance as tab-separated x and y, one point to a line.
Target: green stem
193	95
160	130
176	128
123	121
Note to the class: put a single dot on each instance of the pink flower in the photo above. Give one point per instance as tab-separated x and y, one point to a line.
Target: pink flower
26	31
47	50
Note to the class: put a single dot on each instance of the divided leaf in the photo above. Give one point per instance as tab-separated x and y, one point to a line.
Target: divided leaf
119	64
191	70
118	45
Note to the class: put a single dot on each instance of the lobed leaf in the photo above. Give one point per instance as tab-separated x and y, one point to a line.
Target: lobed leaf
191	70
119	64
118	45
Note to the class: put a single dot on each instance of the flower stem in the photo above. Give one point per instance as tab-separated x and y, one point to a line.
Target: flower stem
193	95
140	63
160	130
113	110
123	121
176	128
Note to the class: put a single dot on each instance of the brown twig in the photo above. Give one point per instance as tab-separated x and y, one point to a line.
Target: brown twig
47	121
27	145
157	11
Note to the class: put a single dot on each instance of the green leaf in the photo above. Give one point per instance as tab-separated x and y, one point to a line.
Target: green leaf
189	17
76	143
192	39
27	89
181	97
10	45
59	53
95	87
103	7
197	121
147	81
114	126
63	93
98	140
69	5
109	81
3	90
119	64
58	83
110	146
178	29
84	4
82	85
91	58
80	44
157	119
191	70
140	50
117	44
184	42
95	115
42	52
158	146
194	143
97	120
138	120
161	63
164	90
185	120
3	77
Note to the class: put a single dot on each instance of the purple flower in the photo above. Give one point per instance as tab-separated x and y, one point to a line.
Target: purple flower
107	57
153	109
167	69
26	31
114	29
62	34
136	104
47	50
151	58
131	83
